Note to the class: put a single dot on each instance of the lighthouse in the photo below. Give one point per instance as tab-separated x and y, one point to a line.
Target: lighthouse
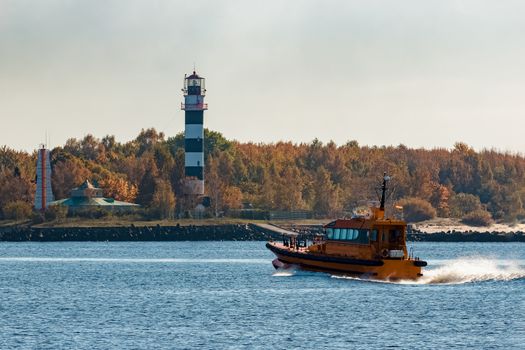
194	107
44	193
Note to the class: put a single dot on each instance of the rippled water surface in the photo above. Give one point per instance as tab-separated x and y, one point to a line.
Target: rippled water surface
226	295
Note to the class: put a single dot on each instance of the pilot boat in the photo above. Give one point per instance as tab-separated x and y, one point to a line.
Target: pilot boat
367	245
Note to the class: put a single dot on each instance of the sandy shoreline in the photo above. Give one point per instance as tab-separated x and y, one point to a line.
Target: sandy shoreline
454	225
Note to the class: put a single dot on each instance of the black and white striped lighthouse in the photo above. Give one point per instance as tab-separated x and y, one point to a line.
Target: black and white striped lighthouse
194	107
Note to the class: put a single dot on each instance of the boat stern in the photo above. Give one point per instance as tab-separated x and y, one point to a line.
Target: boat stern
395	270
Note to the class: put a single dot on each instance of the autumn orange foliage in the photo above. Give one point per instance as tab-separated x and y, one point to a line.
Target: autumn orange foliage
324	178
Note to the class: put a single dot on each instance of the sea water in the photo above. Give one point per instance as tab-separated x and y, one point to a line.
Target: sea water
227	295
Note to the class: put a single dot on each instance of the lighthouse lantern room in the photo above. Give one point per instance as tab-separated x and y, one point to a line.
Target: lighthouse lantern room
194	91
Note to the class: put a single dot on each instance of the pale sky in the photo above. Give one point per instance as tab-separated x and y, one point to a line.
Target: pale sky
420	73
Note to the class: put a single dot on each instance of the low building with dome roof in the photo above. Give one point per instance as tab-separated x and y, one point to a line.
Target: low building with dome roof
87	196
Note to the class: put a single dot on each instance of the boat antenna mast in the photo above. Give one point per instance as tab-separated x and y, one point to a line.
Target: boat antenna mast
384	188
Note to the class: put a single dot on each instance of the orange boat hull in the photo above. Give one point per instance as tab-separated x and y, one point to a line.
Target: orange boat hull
384	269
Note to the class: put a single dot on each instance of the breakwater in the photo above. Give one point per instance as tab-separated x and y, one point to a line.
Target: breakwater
226	232
136	233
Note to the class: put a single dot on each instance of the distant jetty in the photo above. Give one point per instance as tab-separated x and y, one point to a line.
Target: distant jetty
218	232
227	232
469	236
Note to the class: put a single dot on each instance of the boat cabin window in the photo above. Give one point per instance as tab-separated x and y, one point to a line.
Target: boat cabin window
360	236
395	235
373	235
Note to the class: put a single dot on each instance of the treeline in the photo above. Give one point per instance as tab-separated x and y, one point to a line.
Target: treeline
320	177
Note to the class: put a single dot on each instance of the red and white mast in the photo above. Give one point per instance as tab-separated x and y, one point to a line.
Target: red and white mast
44	192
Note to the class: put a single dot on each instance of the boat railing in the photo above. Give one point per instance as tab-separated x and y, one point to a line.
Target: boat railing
302	240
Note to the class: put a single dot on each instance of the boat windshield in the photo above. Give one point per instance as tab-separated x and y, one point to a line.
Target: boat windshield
360	236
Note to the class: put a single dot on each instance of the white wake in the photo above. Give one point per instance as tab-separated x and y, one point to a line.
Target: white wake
468	270
285	272
464	270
